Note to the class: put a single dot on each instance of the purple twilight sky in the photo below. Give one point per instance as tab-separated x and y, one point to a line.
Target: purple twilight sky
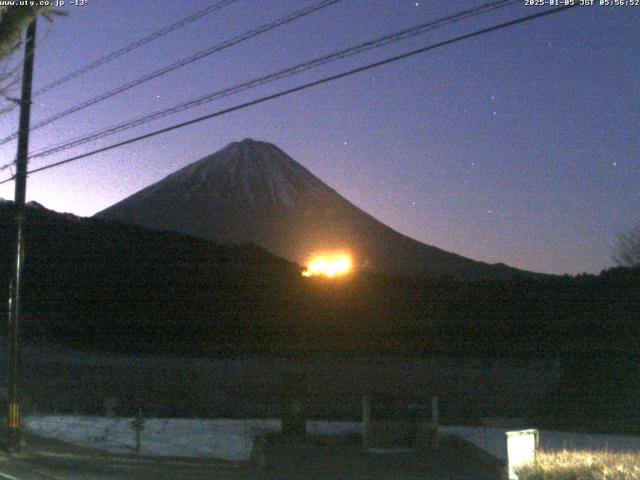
520	146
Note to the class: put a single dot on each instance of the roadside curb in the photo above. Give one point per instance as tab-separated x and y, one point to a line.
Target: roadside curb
133	459
43	447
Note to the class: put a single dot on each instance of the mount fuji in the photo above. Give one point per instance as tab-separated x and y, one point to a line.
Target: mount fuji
253	192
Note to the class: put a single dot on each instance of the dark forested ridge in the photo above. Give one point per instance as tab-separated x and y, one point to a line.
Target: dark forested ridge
100	284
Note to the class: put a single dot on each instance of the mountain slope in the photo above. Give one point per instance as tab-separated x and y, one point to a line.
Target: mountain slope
105	285
254	192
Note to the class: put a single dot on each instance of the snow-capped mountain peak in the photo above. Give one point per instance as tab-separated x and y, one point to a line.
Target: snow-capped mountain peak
249	172
252	191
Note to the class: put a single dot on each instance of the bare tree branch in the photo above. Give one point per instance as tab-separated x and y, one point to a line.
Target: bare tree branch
13	21
627	249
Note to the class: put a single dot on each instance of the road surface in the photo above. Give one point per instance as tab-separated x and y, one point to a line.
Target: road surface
283	462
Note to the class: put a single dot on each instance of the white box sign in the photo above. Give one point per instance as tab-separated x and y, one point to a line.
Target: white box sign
521	449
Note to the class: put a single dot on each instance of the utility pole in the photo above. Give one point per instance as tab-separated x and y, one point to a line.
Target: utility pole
14	424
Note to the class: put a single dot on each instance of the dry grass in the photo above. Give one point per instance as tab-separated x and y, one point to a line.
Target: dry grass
582	465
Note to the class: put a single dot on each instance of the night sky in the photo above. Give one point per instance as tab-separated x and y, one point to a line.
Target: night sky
520	146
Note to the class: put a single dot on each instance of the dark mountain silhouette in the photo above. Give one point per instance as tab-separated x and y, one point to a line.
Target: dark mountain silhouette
105	285
253	192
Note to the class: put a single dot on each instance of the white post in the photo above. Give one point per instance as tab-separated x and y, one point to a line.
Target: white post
521	449
366	420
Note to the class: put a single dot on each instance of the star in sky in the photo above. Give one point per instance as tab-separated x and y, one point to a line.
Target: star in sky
468	75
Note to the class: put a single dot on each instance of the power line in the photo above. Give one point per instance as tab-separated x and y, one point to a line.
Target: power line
179	64
128	48
278	75
303	87
7	72
381	41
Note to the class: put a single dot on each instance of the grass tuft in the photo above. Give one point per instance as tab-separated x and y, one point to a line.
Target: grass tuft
582	465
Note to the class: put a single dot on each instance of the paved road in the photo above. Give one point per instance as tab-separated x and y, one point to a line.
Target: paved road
348	462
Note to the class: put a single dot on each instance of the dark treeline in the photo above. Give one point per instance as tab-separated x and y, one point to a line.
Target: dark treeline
102	285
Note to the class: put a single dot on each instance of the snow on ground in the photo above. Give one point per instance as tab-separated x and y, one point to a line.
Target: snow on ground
226	439
493	440
231	439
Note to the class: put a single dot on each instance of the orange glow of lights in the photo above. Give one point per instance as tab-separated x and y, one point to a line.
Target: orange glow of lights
329	266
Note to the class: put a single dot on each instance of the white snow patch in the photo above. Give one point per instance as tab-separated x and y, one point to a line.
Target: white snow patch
281	189
232	439
222	439
227	439
333	428
493	440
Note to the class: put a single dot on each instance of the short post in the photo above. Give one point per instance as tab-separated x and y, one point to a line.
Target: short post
138	426
366	421
435	420
138	441
521	449
294	406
